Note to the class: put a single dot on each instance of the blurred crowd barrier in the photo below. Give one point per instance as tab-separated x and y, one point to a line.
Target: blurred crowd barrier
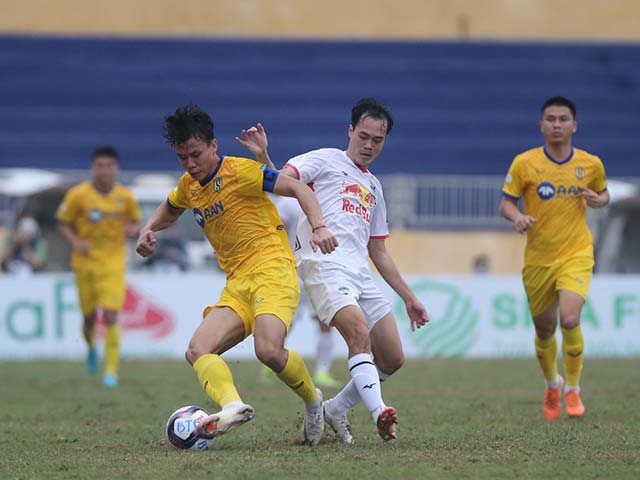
471	316
510	19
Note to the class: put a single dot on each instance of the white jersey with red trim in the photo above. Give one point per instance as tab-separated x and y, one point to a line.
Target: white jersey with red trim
290	212
352	206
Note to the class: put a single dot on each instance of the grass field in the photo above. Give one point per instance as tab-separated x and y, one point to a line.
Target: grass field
458	419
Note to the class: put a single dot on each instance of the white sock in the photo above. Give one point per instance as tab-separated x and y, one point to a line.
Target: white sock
349	397
324	351
232	405
553	383
568	388
365	377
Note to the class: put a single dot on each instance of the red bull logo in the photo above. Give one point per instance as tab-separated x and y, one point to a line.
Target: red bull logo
140	314
366	201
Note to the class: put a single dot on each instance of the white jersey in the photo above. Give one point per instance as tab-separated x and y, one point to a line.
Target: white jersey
352	206
289	211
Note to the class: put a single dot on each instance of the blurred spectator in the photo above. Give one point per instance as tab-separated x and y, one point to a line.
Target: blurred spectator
26	250
170	253
480	264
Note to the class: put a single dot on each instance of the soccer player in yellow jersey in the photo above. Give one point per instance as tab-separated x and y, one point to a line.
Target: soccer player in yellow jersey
558	182
95	218
228	200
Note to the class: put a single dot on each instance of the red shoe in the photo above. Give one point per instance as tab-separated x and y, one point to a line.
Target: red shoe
551	405
572	404
387	421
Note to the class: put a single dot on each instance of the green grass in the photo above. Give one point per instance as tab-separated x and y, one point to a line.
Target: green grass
458	419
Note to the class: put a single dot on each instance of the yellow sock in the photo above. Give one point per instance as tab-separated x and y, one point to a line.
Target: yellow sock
572	354
297	378
88	334
547	353
216	379
112	349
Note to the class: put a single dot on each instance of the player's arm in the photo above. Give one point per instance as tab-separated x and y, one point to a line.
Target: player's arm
255	140
383	261
68	233
509	210
164	216
594	199
321	237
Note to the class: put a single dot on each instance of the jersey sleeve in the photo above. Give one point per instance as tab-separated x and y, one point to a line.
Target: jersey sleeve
379	221
177	197
513	182
251	177
307	166
69	208
599	182
133	209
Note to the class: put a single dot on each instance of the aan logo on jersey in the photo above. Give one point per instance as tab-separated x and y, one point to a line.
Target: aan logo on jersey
209	213
547	190
366	200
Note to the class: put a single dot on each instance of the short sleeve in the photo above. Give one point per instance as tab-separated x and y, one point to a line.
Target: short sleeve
249	176
599	182
513	182
68	209
379	221
133	209
307	166
177	197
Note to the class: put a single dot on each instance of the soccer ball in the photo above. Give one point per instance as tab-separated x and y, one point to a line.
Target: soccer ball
181	429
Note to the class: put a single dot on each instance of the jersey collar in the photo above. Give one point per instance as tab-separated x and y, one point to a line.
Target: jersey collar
213	174
362	169
559	162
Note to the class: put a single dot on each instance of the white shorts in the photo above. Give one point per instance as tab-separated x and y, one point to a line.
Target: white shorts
331	287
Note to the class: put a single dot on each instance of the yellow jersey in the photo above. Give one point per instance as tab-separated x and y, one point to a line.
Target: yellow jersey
100	219
552	195
235	214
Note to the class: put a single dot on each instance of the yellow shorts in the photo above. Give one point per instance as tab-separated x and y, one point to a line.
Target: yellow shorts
542	282
271	288
104	288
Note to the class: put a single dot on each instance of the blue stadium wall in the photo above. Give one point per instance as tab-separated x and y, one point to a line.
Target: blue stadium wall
460	107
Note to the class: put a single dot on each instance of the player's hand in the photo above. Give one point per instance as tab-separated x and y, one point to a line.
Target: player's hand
82	247
524	223
254	139
146	243
592	198
324	240
417	314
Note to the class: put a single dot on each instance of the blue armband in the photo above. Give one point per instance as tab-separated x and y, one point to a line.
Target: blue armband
269	177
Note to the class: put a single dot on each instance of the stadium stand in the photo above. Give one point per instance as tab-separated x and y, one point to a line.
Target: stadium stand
461	108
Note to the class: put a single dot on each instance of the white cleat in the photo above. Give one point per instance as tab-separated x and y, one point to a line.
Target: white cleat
314	422
220	423
339	424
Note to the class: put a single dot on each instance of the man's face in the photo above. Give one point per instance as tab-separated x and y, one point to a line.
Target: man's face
558	125
198	157
366	140
104	169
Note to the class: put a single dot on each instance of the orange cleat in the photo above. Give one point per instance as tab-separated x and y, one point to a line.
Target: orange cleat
572	404
551	405
387	421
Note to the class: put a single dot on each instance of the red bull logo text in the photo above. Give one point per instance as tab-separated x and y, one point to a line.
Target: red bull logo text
366	201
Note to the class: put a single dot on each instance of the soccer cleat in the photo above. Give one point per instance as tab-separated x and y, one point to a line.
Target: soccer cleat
92	361
572	404
387	421
314	422
220	423
551	404
324	379
110	380
339	424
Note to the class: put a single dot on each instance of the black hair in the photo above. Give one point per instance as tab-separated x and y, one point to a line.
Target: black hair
105	151
562	102
370	107
188	121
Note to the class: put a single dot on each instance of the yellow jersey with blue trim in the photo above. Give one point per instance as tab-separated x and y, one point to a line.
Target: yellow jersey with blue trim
235	214
552	195
99	218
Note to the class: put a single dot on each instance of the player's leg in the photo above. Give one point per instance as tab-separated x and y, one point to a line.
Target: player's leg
88	304
221	329
324	352
110	291
573	286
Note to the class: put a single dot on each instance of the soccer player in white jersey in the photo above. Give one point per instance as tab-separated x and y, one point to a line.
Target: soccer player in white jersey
290	213
340	285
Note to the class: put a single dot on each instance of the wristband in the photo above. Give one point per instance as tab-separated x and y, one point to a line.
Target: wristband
313	230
